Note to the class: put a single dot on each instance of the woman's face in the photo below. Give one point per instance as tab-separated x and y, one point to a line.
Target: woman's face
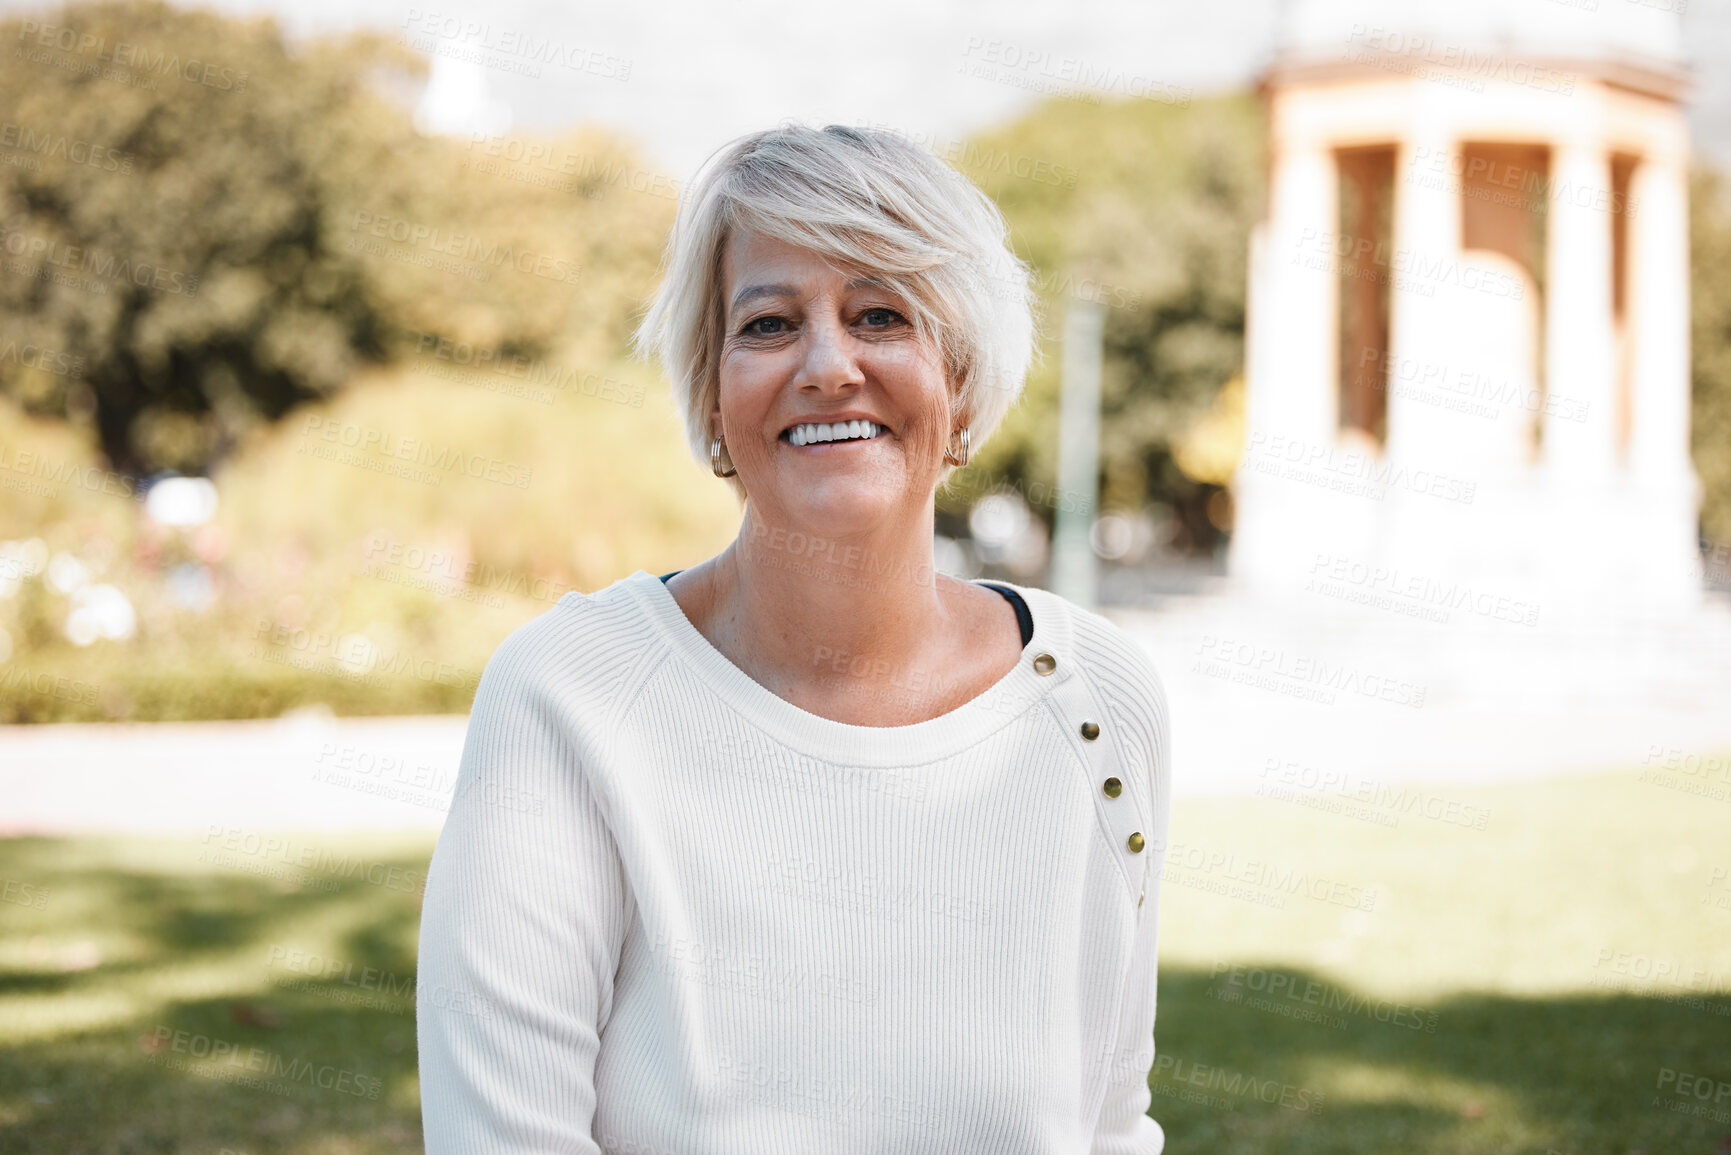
806	345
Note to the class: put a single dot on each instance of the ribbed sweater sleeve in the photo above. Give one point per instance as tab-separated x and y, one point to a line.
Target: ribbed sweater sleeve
1136	701
521	929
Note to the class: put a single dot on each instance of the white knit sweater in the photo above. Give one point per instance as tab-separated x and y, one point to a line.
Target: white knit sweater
673	914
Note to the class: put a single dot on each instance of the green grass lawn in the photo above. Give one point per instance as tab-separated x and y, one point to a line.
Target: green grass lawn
1482	980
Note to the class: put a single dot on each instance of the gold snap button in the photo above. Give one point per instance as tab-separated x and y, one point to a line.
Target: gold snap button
1044	664
1090	730
1112	787
1137	842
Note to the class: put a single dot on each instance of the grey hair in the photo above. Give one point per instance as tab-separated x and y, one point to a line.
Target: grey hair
870	200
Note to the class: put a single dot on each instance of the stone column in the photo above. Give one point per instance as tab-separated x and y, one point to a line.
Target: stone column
1660	465
1289	355
1659	319
1427	236
1293	371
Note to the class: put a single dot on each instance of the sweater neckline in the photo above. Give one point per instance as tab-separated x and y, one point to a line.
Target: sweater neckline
846	742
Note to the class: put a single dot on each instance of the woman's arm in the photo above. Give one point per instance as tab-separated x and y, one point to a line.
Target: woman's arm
524	918
1125	1127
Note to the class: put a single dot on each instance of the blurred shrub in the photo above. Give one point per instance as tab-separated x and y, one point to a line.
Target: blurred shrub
324	577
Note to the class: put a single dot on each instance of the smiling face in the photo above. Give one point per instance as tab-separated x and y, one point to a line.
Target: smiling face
808	350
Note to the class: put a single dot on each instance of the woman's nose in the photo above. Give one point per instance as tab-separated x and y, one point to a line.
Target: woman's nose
830	358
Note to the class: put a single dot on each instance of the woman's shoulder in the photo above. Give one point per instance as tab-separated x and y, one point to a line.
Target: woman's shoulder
1107	654
584	641
1114	662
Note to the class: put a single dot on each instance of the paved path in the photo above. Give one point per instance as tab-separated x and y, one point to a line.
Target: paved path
305	773
1246	698
1376	696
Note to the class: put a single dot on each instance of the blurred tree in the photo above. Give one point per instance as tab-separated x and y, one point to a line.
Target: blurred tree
1710	263
162	208
207	227
1146	207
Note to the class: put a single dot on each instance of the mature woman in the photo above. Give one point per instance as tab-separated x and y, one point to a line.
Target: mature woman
807	848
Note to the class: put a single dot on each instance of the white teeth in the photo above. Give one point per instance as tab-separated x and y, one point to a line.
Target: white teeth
810	433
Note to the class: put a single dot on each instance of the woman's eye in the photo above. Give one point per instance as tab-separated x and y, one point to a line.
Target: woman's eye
878	318
764	326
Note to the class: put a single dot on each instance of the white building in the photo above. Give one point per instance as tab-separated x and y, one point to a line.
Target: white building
1468	340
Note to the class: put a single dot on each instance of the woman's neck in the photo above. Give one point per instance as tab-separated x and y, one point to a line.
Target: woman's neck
829	622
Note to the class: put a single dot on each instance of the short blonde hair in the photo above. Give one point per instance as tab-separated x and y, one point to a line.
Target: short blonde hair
865	199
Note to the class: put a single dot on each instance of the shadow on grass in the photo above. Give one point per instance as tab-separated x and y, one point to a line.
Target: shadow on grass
1263	1059
290	1024
190	1078
253	1049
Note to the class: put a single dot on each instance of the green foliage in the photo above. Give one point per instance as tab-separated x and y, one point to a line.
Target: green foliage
1155	224
211	228
1710	289
214	193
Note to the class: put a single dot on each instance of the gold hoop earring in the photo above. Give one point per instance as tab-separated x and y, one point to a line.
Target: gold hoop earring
715	447
954	457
